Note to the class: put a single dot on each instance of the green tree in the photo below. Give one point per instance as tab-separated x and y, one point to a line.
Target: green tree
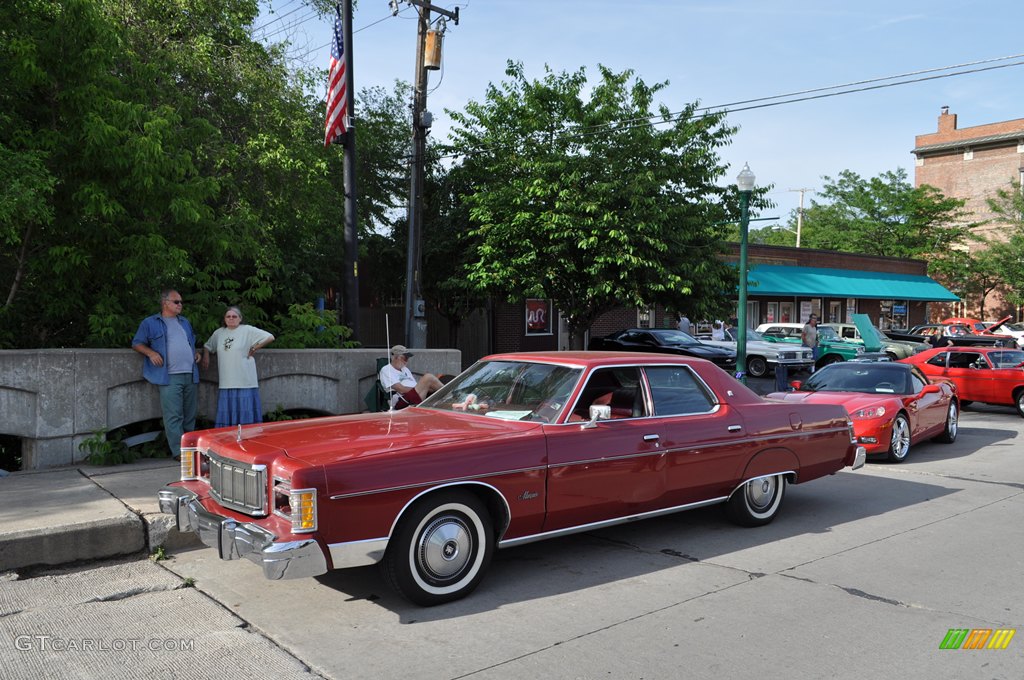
594	200
884	215
1008	255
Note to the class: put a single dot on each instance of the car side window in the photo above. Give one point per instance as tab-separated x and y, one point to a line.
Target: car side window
675	390
917	383
849	332
963	359
619	388
938	360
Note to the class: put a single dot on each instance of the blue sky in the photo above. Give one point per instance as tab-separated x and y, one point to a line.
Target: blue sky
723	52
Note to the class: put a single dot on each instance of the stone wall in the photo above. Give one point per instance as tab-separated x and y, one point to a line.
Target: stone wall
53	399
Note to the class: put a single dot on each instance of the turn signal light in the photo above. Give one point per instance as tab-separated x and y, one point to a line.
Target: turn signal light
303	507
188	464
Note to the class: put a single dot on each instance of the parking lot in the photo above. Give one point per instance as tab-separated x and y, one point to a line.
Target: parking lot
861	575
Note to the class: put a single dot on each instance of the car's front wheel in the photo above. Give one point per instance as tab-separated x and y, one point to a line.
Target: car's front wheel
441	549
757	367
899	443
757	501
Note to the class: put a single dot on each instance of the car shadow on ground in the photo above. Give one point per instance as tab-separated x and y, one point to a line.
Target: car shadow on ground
583	561
970	439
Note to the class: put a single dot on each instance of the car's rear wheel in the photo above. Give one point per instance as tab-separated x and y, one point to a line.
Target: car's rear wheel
899	443
441	549
757	367
1019	400
757	501
964	403
952	424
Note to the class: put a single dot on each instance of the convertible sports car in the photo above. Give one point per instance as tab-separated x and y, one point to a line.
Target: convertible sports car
664	340
518	448
991	375
892	405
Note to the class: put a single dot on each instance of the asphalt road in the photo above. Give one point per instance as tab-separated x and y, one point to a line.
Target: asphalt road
861	576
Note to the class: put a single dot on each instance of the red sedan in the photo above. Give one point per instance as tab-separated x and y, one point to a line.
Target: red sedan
991	375
518	448
892	405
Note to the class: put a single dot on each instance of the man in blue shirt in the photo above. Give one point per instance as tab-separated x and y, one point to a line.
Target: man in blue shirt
167	342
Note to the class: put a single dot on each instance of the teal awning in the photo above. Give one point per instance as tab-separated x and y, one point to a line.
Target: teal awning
780	280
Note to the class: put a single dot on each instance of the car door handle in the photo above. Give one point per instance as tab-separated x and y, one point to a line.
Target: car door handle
735	428
651	437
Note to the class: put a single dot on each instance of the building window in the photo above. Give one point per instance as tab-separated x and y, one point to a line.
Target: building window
538	317
645	318
851	309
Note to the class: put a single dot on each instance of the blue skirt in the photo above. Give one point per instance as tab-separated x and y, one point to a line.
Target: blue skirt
238	407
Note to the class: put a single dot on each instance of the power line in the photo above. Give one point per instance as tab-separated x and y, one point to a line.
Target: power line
789	98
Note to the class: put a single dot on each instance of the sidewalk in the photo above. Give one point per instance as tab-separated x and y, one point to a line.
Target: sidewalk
85	512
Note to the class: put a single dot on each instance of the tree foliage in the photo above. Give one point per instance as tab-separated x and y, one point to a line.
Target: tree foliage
146	143
588	194
884	215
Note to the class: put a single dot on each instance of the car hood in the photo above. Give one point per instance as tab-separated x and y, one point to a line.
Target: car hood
322	440
851	400
704	350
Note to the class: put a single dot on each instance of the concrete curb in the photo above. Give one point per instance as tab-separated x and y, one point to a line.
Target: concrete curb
65	515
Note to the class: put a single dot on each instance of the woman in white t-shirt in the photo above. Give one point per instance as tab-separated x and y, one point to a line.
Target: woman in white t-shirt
238	399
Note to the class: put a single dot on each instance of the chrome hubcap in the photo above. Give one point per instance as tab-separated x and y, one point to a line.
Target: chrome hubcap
445	547
900	438
954	420
760	492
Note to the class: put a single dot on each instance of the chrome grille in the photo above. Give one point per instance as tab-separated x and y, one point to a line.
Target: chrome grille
238	486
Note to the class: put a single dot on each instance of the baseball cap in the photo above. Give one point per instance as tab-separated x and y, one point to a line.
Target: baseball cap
400	350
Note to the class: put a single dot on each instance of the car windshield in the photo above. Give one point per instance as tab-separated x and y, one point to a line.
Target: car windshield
859	377
511	390
1015	327
828	333
674	338
1007	359
732	334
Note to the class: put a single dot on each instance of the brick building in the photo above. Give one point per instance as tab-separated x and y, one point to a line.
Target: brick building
973	163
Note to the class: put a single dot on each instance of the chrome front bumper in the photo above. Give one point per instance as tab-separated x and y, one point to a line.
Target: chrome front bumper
234	539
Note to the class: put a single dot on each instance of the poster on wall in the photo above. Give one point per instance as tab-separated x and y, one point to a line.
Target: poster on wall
538	317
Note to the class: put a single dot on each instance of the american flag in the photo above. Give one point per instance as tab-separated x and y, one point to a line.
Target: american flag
337	88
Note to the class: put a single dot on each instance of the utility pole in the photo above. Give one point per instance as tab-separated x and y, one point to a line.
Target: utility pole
351	279
415	311
800	214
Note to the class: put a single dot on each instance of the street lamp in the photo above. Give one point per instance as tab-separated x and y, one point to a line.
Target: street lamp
745	182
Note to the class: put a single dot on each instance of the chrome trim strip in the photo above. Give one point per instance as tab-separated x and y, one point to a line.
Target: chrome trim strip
606	523
439	483
771	474
508	510
358	553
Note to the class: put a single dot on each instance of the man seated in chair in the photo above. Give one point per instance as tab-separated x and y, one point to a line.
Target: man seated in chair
401	384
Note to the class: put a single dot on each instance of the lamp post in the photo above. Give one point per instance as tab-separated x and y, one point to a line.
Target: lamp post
745	182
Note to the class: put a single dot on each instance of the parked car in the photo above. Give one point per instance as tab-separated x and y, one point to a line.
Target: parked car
666	341
764	356
975	325
894	349
959	335
892	405
518	448
833	348
991	375
1002	327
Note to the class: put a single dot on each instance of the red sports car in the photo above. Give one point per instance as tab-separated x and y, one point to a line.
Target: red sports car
518	448
893	405
991	375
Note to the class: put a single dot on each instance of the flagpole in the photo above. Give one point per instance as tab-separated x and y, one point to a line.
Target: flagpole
351	278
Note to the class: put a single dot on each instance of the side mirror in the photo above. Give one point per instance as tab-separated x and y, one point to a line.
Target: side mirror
600	412
795	384
931	389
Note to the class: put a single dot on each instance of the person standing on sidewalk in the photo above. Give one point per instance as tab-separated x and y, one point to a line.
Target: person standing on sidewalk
809	336
168	343
235	343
